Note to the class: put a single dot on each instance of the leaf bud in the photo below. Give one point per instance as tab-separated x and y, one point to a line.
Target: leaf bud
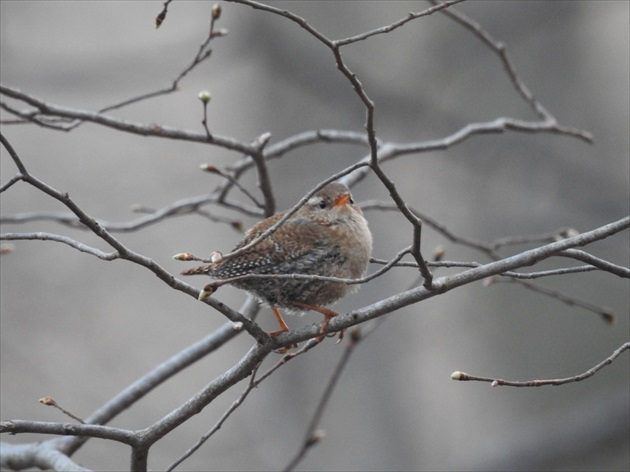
204	96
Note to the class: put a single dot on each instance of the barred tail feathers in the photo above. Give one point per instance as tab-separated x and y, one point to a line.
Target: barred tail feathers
204	269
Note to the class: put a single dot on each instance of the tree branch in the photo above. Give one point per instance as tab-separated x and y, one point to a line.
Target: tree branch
447	283
462	376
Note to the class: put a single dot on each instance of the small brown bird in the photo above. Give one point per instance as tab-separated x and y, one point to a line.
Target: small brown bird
327	236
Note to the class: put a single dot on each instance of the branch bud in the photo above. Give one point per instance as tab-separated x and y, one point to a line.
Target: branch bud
206	292
438	253
216	11
136	208
183	256
489	281
204	96
6	248
160	18
49	401
237	225
457	375
316	437
209	168
355	334
566	233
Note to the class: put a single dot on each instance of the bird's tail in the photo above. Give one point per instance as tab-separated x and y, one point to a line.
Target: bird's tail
204	269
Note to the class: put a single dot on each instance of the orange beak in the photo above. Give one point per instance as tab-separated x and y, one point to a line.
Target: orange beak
343	200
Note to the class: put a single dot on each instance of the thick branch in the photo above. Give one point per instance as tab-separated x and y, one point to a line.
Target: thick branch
444	284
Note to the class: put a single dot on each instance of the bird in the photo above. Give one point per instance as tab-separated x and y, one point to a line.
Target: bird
327	236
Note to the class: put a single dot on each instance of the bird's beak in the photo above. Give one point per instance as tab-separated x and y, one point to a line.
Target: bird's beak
343	200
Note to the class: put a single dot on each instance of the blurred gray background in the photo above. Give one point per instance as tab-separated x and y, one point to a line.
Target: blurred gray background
80	329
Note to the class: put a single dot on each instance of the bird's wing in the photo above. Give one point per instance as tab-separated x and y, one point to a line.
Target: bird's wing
298	246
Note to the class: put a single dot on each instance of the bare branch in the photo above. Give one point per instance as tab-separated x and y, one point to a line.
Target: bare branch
447	283
126	126
489	250
311	137
377	309
194	405
515	275
67	429
533	238
313	436
126	253
202	54
461	376
604	313
264	180
183	207
49	401
106	256
255	155
379	205
597	262
521	88
39	455
238	402
126	398
253	383
160	374
13	180
544	273
215	170
396	24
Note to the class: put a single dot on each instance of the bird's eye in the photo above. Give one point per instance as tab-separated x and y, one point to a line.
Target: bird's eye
350	201
322	204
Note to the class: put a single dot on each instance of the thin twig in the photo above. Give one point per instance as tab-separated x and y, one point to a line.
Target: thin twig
488	249
397	24
313	436
241	370
183	207
606	314
462	376
159	374
238	402
597	262
323	278
49	401
142	129
126	253
253	384
69	429
41	236
264	180
515	275
532	238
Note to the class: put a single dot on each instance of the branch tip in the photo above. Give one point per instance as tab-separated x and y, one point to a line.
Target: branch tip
6	248
204	96
216	11
184	256
316	437
457	375
206	292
